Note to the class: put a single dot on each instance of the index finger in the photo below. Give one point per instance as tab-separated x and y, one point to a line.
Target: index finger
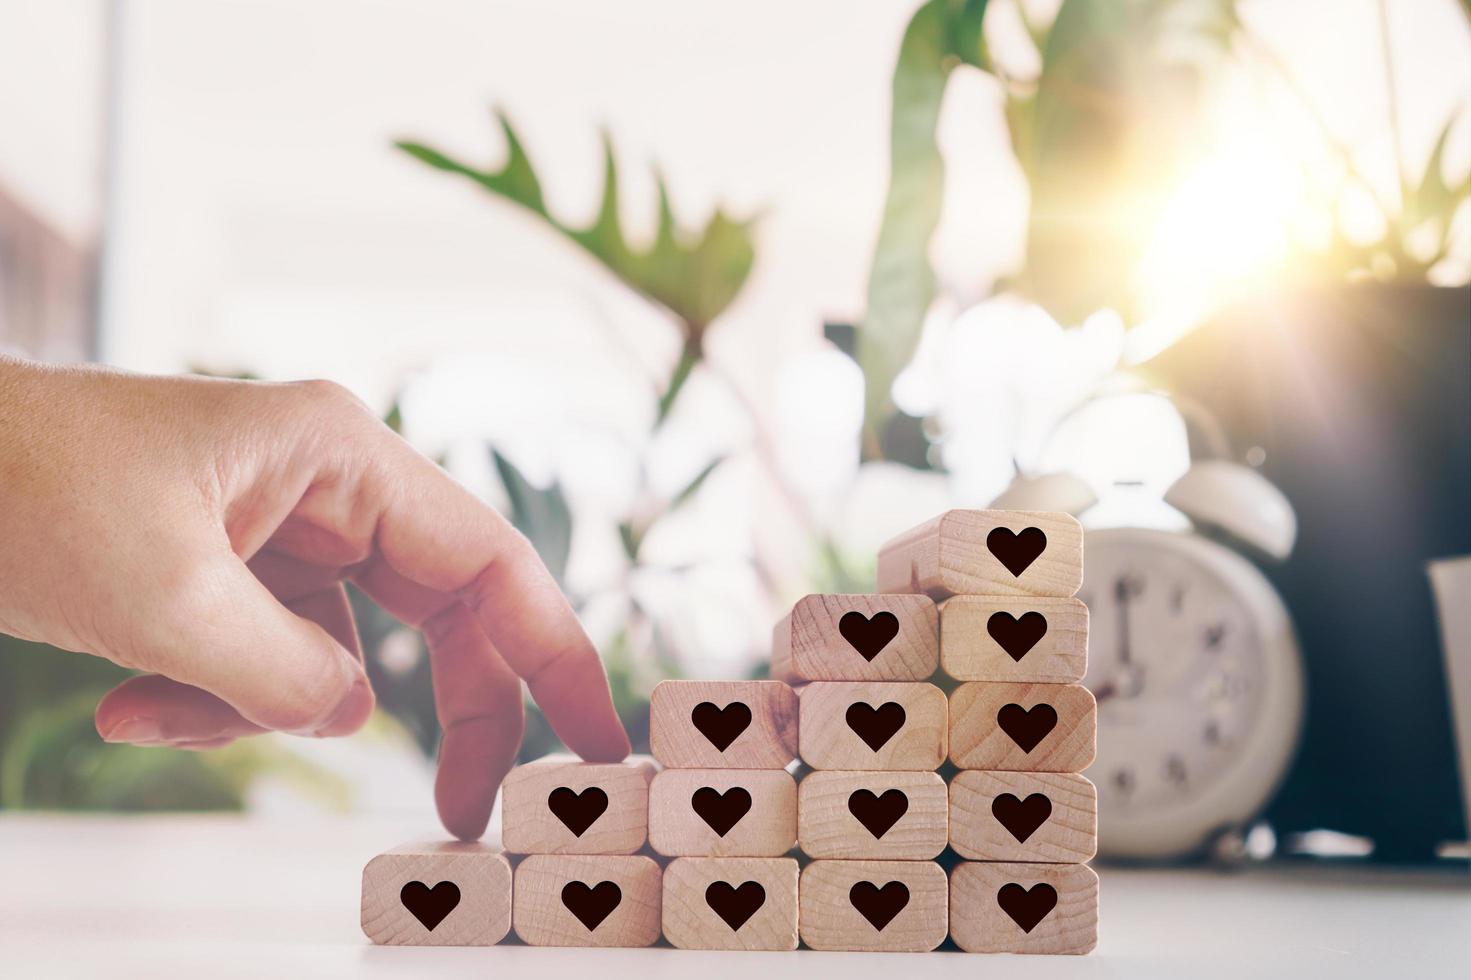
434	532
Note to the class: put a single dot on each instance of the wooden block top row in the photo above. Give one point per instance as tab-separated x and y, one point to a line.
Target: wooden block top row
986	552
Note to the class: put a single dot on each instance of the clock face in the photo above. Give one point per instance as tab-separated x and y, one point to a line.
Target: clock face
1182	658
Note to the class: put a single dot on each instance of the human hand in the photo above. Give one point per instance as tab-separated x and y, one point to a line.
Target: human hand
201	530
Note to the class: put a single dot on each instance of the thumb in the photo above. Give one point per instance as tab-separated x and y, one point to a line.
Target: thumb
217	628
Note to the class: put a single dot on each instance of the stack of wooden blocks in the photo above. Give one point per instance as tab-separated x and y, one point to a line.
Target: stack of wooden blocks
696	844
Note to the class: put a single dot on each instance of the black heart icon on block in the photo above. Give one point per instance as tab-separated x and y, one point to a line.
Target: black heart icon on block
1017	636
875	725
735	905
721	811
878	813
591	905
721	726
879	905
1021	817
868	634
1027	728
1017	551
1027	907
430	905
578	811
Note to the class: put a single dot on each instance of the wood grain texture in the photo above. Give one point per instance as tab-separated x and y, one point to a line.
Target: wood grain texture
829	920
828	741
950	555
682	825
839	813
978	923
769	741
530	822
542	916
692	916
1067	832
979	741
809	643
970	652
481	916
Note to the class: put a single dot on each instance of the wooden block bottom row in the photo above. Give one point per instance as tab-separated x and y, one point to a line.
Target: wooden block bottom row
466	895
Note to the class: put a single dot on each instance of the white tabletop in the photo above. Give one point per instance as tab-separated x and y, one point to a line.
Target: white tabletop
221	897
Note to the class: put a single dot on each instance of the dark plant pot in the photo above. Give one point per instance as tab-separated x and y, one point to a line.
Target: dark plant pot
1360	397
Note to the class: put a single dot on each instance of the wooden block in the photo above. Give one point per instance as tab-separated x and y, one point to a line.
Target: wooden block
870	725
1023	816
723	812
731	903
900	816
873	905
1023	727
437	894
1033	640
1023	908
986	552
562	805
723	724
587	900
857	638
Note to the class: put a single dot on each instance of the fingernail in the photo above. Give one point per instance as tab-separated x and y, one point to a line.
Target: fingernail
352	711
134	730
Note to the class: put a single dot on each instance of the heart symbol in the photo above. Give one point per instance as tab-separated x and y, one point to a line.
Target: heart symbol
868	635
878	813
578	811
1027	728
721	726
879	905
1017	636
591	905
735	905
875	725
430	905
1021	817
1016	551
1027	907
721	811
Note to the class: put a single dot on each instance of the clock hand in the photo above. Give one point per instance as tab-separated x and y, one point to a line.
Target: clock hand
1121	595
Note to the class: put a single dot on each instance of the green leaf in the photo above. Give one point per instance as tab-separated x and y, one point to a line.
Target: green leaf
542	515
901	285
1115	119
694	277
1433	198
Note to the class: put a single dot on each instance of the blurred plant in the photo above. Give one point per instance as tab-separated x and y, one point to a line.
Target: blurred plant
1110	122
695	278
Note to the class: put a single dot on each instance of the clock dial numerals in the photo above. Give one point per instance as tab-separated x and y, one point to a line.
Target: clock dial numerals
1176	665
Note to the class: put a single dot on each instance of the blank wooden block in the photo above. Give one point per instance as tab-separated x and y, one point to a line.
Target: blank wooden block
1032	640
1023	816
723	724
871	725
587	900
873	905
1023	727
731	903
562	805
1023	908
437	894
857	638
986	552
898	816
723	812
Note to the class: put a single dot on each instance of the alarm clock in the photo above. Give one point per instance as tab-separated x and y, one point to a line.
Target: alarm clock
1191	657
